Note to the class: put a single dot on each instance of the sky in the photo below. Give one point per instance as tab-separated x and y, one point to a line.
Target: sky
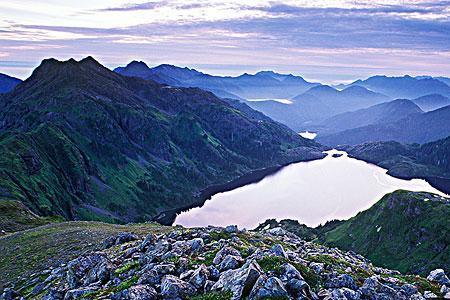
329	41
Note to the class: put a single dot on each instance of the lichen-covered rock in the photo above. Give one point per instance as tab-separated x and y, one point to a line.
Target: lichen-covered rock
225	251
78	268
239	281
182	264
342	281
230	262
267	288
174	288
439	276
142	292
199	276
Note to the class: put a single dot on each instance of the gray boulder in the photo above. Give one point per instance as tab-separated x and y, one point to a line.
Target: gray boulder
79	267
231	229
230	262
239	281
196	245
429	295
148	241
174	288
142	292
225	251
288	272
199	277
79	293
346	294
342	281
439	276
297	288
121	238
266	288
278	250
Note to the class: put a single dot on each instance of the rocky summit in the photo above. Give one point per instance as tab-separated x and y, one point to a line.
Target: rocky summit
222	263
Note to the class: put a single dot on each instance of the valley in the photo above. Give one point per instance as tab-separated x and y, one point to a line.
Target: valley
182	154
225	150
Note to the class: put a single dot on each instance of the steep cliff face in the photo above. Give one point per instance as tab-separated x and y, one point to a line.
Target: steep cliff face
81	141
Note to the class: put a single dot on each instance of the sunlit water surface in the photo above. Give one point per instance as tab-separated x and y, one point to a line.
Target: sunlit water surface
308	135
311	192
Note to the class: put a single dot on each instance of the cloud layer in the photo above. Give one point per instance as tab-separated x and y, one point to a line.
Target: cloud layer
323	40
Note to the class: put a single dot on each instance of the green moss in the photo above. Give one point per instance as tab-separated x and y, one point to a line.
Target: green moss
126	284
31	251
272	263
226	295
127	267
219	235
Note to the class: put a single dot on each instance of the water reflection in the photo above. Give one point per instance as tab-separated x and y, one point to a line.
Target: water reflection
311	192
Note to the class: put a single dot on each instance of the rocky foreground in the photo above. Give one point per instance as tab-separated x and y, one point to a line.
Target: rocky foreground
223	263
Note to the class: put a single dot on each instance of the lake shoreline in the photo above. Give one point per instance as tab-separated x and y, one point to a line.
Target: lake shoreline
168	217
438	182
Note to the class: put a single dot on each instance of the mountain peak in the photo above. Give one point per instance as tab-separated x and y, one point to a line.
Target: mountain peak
135	63
322	88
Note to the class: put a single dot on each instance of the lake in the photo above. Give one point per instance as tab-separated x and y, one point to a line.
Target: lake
311	192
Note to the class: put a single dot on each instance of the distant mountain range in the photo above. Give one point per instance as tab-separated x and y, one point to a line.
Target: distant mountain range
264	84
303	105
378	114
414	128
83	142
317	104
431	102
7	83
307	105
404	87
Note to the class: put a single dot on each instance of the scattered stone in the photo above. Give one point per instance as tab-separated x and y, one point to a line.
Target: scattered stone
265	288
278	250
439	276
174	288
225	251
240	281
230	262
199	276
142	292
342	281
429	295
317	267
183	263
231	229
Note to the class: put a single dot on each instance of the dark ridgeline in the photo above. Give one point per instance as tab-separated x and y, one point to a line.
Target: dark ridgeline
264	84
412	128
405	87
84	142
378	114
7	83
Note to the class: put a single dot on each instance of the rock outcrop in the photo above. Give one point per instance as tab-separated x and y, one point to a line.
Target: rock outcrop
217	263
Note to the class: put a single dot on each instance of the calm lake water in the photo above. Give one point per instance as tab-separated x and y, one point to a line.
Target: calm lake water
308	135
311	192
